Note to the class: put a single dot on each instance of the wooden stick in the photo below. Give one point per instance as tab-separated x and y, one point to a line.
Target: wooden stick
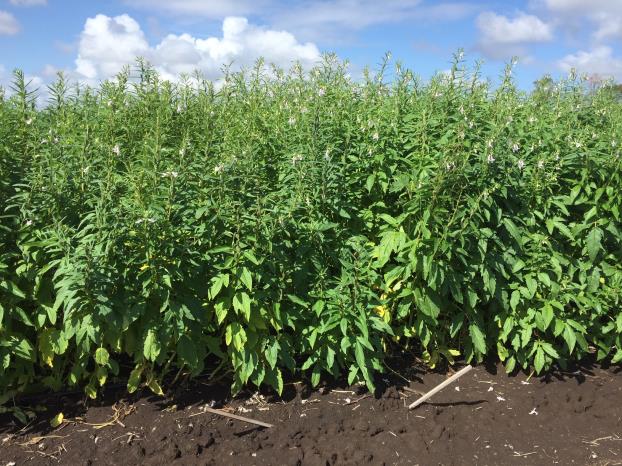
440	386
233	416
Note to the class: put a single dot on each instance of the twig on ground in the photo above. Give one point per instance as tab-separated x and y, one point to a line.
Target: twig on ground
440	386
232	416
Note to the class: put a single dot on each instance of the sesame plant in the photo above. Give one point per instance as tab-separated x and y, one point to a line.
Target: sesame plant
304	222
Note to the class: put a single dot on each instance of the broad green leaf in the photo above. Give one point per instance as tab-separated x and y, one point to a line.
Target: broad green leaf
187	351
478	338
102	356
593	242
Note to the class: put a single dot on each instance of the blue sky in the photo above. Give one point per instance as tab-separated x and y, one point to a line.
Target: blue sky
92	40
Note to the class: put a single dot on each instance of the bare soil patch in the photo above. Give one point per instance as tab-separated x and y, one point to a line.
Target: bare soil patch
486	418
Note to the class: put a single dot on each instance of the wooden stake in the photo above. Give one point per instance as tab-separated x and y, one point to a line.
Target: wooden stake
232	416
440	386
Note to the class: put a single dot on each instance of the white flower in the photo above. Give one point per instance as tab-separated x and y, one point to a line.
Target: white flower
151	220
85	170
577	144
116	149
171	174
219	168
327	155
490	158
182	151
521	164
56	140
471	124
375	136
296	158
540	164
291	121
28	223
29	121
321	92
515	147
44	141
438	94
489	143
450	166
109	103
532	119
613	143
179	108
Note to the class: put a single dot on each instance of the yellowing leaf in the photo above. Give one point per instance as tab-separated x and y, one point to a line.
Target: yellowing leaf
154	386
57	420
90	391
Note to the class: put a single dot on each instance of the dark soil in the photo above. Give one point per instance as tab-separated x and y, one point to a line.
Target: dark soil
487	417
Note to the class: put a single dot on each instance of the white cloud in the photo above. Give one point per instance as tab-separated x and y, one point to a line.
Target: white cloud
522	29
107	44
502	37
599	61
28	2
8	24
606	15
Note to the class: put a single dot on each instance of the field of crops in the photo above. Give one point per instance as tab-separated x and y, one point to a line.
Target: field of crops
304	222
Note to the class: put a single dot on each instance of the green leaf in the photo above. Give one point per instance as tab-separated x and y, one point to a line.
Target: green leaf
548	348
330	357
151	347
315	375
511	227
515	299
246	278
539	360
547	315
478	338
221	311
102	356
570	337
187	351
594	239
242	303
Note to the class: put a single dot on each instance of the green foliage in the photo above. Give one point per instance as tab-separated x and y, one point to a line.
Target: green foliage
304	222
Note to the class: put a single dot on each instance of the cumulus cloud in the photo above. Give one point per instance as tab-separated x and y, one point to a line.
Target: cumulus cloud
107	44
598	61
502	37
28	2
8	24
